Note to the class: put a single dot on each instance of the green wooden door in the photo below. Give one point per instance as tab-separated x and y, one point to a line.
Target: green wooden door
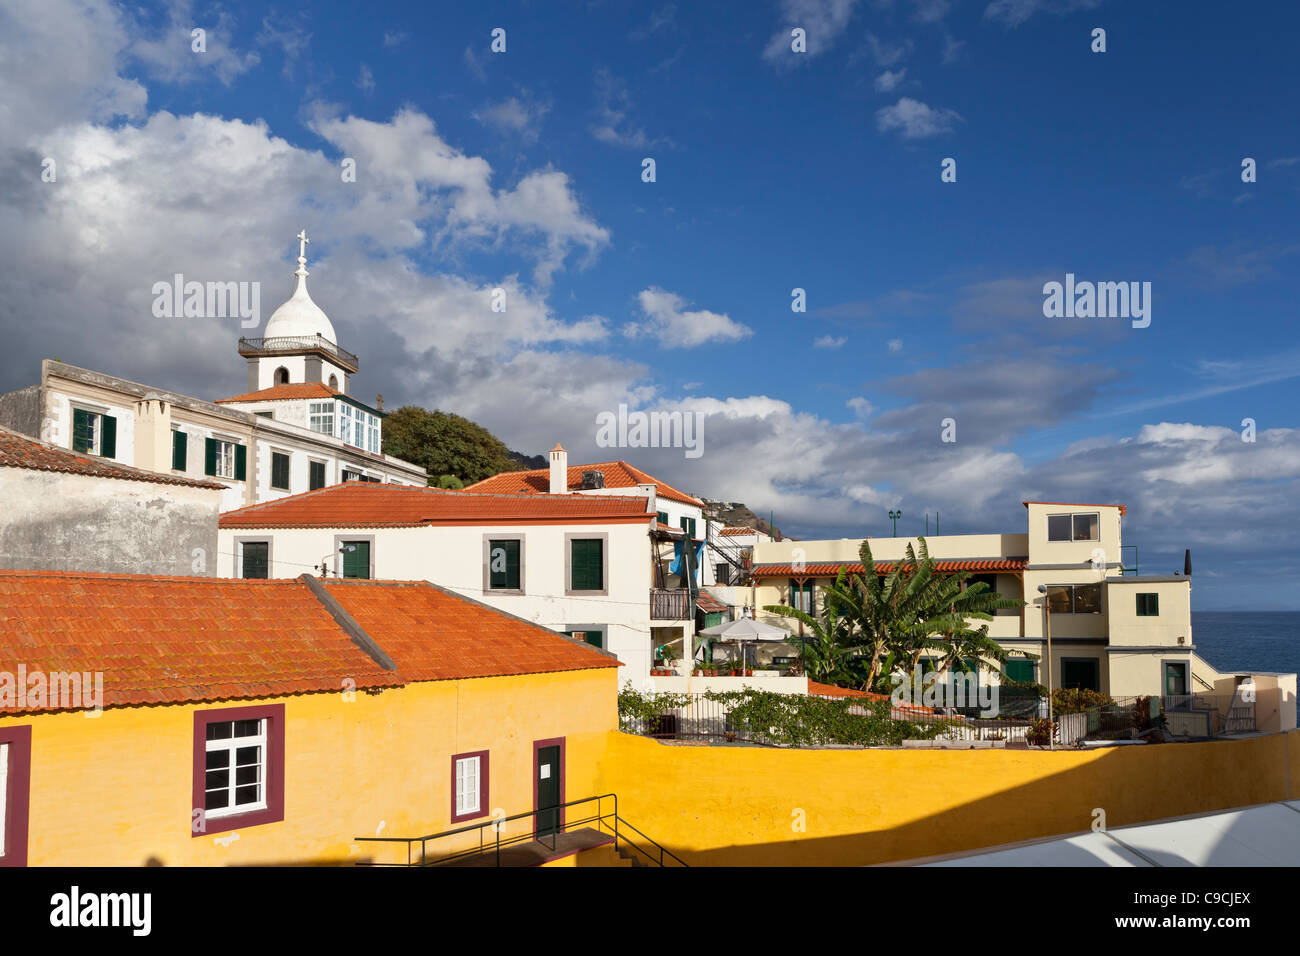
356	563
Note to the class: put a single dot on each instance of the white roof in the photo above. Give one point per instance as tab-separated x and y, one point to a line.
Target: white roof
1263	835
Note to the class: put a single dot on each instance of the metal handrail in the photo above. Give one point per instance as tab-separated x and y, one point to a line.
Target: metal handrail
287	343
600	818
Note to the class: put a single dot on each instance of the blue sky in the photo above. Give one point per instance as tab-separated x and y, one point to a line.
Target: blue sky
775	170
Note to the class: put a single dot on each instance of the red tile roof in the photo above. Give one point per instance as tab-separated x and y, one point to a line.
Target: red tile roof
282	392
160	640
435	634
1123	509
709	604
363	504
829	569
618	474
742	531
166	640
830	690
20	451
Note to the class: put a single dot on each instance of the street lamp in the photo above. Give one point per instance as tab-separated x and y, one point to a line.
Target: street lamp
895	515
325	572
1047	607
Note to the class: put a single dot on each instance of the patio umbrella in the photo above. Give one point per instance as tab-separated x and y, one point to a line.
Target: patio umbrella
746	629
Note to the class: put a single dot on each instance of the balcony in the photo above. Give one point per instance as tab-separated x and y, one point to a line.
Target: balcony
293	344
671	604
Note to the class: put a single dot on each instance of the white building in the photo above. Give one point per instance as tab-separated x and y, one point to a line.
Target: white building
296	429
573	563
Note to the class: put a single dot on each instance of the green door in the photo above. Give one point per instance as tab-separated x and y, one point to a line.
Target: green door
356	563
548	790
1175	680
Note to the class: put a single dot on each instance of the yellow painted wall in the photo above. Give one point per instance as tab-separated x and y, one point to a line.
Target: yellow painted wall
116	790
739	806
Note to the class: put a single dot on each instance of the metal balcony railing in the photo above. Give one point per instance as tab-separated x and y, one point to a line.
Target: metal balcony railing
671	604
282	344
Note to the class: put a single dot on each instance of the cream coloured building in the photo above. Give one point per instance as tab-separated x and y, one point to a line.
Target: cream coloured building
1112	629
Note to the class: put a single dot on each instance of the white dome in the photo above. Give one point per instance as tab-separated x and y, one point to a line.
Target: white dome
299	316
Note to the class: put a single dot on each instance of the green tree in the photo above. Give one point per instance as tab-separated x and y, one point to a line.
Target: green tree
825	654
445	444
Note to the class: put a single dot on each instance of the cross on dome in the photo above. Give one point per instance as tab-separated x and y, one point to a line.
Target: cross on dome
302	272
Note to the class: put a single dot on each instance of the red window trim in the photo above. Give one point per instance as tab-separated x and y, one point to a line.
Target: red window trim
483	801
18	797
274	812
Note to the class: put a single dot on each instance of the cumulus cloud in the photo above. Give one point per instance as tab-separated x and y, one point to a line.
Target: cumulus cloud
518	115
828	342
673	326
913	119
888	81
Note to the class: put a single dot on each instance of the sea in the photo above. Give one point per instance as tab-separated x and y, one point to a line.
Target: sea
1248	640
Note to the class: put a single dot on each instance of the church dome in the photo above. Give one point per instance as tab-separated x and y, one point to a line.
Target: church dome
300	315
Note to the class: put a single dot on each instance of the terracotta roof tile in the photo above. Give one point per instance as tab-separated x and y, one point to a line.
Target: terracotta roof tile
738	531
20	451
282	392
359	504
434	634
828	569
709	604
159	639
618	474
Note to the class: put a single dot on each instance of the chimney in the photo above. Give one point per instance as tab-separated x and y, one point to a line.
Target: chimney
379	402
1187	563
652	497
593	480
559	470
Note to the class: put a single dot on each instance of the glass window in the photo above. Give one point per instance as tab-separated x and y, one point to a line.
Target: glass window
1087	599
225	459
235	770
320	417
345	423
1087	527
1059	599
257	559
1148	605
1058	527
467	785
801	597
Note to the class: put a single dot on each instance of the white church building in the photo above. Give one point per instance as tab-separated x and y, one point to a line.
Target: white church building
294	429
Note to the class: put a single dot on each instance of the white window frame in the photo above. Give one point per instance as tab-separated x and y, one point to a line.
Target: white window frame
225	456
231	745
4	793
346	424
320	417
463	785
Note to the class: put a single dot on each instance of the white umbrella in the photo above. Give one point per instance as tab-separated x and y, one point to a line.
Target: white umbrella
746	629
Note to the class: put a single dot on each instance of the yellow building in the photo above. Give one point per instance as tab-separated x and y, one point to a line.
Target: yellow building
199	721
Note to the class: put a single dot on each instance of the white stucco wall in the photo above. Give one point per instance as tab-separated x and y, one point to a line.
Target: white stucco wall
452	557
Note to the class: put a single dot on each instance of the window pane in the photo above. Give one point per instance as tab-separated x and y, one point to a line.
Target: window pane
217	759
247	775
220	730
216	799
1087	599
1087	527
247	755
245	795
216	779
1058	527
248	728
1058	599
504	564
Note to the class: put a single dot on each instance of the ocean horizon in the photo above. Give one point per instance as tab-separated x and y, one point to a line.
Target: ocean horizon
1248	640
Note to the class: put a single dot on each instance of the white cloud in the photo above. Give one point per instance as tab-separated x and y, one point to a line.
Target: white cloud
888	81
366	80
913	119
887	54
518	115
828	342
613	124
1015	12
668	321
822	21
895	345
167	52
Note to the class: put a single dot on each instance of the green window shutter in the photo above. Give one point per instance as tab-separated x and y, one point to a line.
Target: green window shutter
663	517
356	563
80	428
108	444
503	565
586	564
317	476
688	525
279	471
1022	672
256	559
180	444
209	456
241	461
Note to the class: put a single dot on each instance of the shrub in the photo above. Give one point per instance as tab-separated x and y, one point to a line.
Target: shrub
1040	732
1077	700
